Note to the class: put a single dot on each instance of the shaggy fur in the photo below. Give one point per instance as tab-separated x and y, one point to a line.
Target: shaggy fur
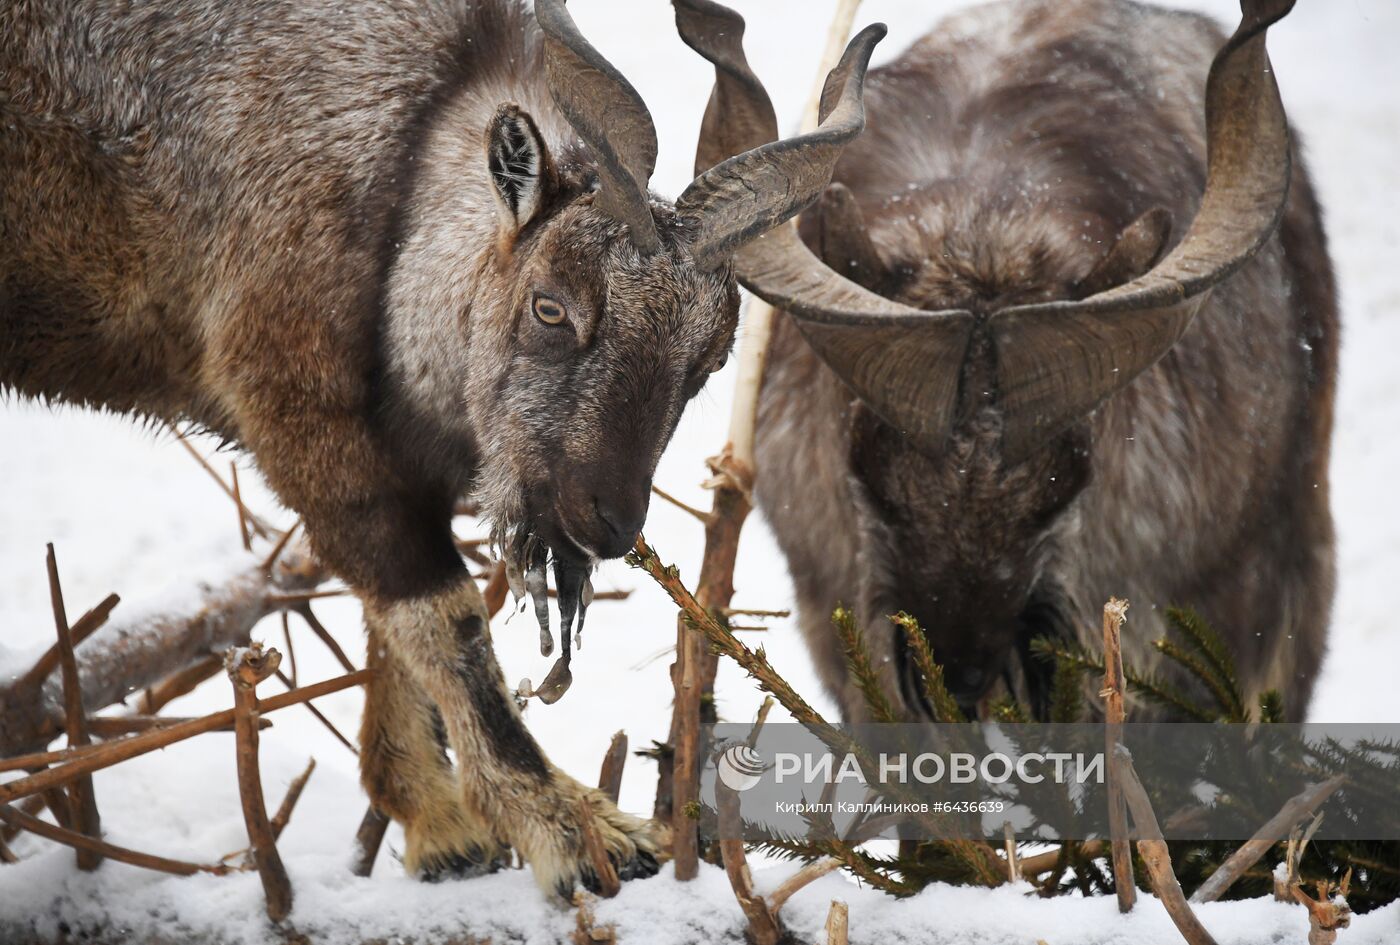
319	230
1004	154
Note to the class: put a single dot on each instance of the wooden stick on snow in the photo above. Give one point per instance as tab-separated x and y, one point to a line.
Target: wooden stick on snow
246	668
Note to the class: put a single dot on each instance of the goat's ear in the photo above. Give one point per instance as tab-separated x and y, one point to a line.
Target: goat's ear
522	174
846	246
1138	247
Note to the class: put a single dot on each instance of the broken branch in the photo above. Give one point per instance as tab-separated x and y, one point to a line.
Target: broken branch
246	668
1114	714
1155	855
1292	813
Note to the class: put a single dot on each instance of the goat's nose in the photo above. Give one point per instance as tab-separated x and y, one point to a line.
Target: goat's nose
623	515
966	683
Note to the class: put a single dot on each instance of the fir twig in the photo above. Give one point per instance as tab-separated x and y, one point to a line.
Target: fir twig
858	662
941	702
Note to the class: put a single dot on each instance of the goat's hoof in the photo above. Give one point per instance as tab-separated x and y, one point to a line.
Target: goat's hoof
462	864
634	846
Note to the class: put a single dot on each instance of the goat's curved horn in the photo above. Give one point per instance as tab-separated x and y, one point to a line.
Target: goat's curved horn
903	362
739	116
748	194
609	115
1060	360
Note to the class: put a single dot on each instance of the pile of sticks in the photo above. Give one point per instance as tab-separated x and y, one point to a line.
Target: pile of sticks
163	658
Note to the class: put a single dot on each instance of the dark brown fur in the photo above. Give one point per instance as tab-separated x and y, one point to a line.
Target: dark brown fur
279	222
1004	153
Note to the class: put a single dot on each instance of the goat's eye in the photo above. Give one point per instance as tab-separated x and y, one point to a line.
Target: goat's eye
550	311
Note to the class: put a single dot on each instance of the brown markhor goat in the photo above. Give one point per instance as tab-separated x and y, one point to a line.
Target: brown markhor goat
366	242
1029	419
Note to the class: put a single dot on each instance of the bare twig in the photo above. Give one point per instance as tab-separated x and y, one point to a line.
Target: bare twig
246	668
80	793
1114	714
704	517
325	637
610	776
790	886
747	612
608	883
291	650
289	800
1155	855
82	628
100	848
256	524
367	841
78	762
320	716
237	496
837	921
1290	815
115	726
280	547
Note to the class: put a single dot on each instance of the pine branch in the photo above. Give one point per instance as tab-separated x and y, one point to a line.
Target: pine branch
857	655
940	700
1148	687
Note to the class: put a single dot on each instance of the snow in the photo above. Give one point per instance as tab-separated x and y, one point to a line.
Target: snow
130	512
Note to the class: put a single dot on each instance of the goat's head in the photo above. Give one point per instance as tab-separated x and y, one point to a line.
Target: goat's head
619	304
932	372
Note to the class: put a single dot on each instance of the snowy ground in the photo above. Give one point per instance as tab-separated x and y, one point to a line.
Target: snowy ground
130	512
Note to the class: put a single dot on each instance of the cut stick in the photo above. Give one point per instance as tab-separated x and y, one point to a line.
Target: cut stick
101	848
608	883
1114	714
610	776
80	792
96	757
179	684
837	921
367	841
765	928
246	668
1155	855
1294	812
1013	866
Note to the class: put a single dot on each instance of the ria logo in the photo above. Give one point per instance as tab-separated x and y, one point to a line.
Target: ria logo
739	767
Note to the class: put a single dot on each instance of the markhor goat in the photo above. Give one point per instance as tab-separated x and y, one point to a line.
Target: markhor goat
1099	364
365	242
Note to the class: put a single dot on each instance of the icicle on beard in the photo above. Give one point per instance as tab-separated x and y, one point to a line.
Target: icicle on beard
574	588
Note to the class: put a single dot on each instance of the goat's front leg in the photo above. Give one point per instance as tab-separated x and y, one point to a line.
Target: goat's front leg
406	772
443	639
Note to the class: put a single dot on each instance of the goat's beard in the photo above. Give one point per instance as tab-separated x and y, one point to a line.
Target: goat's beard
526	557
